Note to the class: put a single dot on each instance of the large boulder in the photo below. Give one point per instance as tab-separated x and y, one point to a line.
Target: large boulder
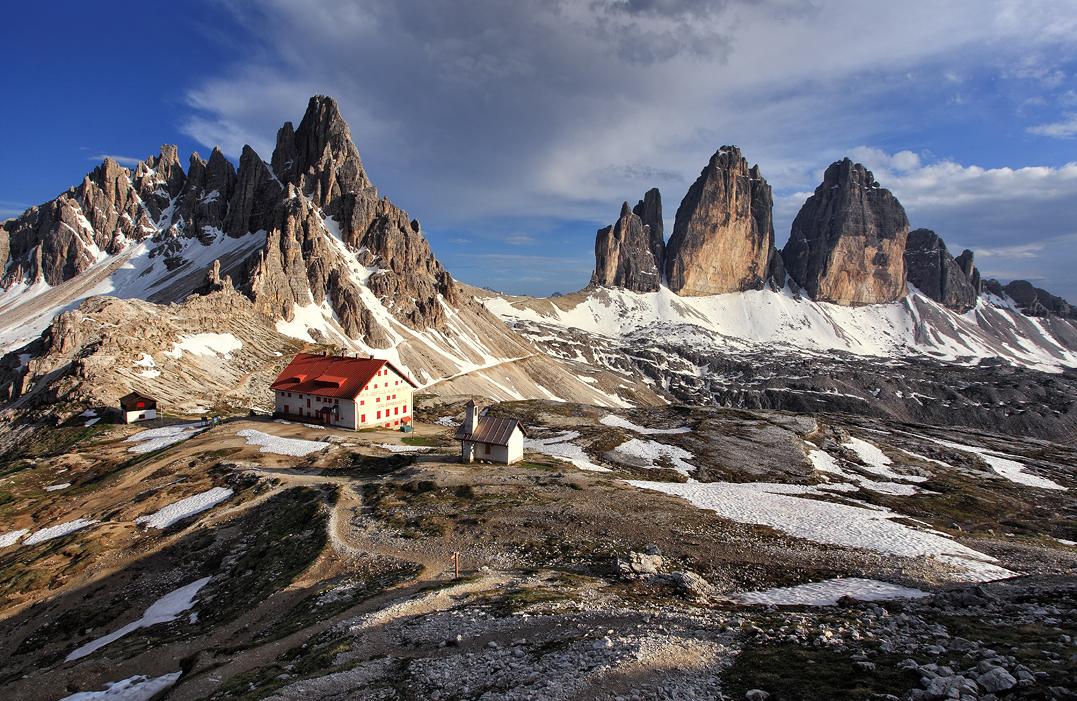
847	243
723	235
936	273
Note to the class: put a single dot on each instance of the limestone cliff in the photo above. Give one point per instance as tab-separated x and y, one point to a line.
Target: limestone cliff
940	276
723	236
847	243
625	252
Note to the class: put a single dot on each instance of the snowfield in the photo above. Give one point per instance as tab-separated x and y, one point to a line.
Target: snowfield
165	609
1005	466
157	438
561	446
11	537
777	506
163	518
57	487
136	688
201	344
58	531
281	446
828	592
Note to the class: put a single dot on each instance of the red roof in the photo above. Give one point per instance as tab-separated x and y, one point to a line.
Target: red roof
331	375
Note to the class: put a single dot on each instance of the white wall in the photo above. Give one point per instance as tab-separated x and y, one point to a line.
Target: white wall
139	415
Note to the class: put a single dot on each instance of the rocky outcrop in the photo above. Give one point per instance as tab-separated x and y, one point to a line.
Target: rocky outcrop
723	236
847	243
1031	300
625	252
937	274
327	233
649	211
62	238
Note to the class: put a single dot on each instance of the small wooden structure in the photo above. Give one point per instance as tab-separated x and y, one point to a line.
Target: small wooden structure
487	438
137	407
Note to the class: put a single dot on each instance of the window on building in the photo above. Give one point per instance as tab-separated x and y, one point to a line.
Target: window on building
362	418
285	408
362	402
405	408
377	399
394	396
141	404
487	448
379	414
336	401
396	411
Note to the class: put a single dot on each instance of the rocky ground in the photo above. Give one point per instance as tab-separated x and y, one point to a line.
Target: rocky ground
331	573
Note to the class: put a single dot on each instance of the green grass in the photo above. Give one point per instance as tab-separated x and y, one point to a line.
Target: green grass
432	441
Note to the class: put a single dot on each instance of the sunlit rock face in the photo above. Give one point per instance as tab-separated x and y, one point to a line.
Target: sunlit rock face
723	235
847	244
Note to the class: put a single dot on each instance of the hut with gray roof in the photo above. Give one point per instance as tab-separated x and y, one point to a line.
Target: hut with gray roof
488	438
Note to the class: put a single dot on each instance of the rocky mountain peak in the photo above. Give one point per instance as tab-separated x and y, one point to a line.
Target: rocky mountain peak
723	234
1032	300
625	253
649	210
936	273
319	157
847	243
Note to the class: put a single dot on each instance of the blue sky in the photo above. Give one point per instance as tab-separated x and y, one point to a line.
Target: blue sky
513	131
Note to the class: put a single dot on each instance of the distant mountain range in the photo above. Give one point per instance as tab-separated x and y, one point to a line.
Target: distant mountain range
856	313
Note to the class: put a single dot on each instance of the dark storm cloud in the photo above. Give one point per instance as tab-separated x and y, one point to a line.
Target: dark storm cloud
471	111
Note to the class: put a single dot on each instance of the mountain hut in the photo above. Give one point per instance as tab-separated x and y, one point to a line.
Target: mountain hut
137	407
488	438
343	392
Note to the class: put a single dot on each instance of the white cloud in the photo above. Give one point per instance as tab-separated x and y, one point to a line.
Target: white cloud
1066	129
466	111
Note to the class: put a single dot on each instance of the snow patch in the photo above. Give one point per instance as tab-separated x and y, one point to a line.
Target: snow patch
157	438
136	688
560	446
828	592
165	609
777	506
1003	465
206	344
11	537
57	487
281	446
652	451
58	531
163	518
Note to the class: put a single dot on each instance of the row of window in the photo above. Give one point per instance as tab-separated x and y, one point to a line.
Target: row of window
323	400
396	412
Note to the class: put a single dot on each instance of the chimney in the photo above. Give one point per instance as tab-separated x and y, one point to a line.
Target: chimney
471	418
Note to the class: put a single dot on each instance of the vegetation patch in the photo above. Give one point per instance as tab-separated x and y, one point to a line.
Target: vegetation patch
282	538
789	672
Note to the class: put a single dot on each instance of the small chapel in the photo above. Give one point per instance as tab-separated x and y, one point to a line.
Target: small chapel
489	439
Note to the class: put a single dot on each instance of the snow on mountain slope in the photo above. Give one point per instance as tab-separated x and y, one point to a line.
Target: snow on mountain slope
783	322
